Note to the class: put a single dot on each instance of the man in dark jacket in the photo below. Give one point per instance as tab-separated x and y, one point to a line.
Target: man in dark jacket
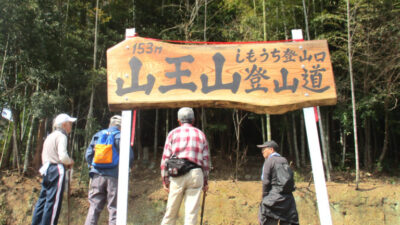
278	204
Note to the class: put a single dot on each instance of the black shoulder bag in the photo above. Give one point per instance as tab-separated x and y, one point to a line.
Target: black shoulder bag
178	167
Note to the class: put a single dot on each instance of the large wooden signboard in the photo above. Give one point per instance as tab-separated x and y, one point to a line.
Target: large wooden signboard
262	77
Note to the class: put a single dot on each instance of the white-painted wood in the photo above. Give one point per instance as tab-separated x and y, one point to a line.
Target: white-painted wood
123	170
315	155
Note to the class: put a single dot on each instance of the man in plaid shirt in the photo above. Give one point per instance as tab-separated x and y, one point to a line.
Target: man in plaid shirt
190	143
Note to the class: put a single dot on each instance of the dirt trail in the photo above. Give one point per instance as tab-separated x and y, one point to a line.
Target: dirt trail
228	202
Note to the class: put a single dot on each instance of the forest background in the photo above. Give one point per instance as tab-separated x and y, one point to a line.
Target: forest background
53	60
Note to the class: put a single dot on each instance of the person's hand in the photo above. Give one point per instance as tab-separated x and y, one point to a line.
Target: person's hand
205	188
71	165
166	187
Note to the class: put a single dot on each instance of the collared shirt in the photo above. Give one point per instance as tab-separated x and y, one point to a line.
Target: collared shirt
186	142
55	148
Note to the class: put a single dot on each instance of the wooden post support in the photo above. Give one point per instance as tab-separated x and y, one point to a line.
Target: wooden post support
123	170
316	159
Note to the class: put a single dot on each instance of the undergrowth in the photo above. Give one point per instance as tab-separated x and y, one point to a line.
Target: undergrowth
4	211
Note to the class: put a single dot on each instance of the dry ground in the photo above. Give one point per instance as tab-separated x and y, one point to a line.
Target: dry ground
228	202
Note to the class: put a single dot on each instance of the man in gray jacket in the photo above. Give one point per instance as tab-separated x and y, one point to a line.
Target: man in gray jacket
278	204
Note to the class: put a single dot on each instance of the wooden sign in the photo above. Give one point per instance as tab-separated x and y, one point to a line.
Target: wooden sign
263	77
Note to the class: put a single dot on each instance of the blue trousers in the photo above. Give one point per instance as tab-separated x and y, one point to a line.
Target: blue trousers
48	206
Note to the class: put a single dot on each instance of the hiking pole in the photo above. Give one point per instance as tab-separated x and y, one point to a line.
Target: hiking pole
68	178
202	208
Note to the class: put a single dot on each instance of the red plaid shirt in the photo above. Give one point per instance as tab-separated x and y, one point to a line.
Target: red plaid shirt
186	142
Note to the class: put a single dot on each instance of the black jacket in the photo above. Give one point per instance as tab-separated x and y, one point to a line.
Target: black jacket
274	203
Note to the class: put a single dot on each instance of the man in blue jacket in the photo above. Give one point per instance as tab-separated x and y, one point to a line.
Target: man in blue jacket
104	181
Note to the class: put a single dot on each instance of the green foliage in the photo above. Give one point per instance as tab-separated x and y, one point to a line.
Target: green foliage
49	66
47	104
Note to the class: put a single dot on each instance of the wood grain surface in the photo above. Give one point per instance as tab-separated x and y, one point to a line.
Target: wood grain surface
269	78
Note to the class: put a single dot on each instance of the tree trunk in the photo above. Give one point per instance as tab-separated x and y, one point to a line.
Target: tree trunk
367	144
3	158
155	143
289	135
267	116
343	142
4	62
386	138
314	15
28	146
15	163
162	7
367	121
37	159
327	139
205	21
263	128
324	149
7	156
306	20
303	140
16	140
395	146
88	126
23	122
167	122
284	20
237	120
74	145
296	147
353	100
264	21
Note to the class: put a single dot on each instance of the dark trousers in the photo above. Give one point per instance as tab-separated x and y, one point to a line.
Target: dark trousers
48	206
272	221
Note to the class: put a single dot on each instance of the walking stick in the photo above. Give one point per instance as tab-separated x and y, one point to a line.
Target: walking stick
202	208
68	177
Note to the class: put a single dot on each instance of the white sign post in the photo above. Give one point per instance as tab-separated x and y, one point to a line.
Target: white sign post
123	170
315	155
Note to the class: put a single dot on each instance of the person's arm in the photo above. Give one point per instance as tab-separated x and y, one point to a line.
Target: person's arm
206	164
166	155
267	169
90	151
62	151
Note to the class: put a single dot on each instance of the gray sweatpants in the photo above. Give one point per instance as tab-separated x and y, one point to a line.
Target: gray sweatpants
102	189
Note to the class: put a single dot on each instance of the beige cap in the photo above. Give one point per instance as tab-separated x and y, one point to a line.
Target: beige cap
116	120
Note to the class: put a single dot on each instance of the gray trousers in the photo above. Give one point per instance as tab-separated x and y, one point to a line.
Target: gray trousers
102	189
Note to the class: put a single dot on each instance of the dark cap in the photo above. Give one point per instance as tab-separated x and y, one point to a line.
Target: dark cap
271	144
